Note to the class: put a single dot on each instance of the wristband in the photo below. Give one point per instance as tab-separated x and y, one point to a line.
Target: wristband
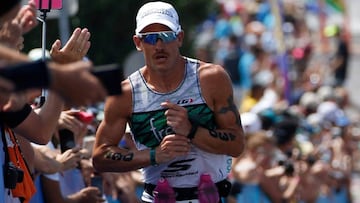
27	75
152	157
194	127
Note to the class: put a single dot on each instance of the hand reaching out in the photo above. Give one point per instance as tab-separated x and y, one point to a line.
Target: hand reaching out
69	159
74	50
67	120
27	17
11	35
87	195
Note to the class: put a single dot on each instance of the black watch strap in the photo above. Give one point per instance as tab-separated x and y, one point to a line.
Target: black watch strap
194	127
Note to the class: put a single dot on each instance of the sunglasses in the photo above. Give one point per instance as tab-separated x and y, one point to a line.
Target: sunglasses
152	37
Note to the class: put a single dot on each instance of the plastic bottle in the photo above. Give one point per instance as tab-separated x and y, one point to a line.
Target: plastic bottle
207	190
163	192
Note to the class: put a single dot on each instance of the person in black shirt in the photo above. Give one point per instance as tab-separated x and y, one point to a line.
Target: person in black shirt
339	62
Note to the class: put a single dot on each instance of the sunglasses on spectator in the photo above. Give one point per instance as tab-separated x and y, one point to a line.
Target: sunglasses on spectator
152	37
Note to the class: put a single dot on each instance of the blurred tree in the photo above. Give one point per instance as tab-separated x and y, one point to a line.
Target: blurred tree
112	25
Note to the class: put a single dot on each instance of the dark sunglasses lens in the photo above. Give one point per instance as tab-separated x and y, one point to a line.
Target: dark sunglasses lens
167	37
164	36
150	38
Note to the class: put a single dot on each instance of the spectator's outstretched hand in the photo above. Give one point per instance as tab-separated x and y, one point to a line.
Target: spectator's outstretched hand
68	121
74	50
11	35
69	159
27	17
87	195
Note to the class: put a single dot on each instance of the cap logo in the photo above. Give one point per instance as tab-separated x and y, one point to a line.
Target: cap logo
160	11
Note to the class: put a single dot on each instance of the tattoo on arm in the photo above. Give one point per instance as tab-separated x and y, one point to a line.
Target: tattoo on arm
116	156
222	135
232	108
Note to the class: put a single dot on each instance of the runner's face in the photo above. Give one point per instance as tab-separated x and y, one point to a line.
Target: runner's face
160	46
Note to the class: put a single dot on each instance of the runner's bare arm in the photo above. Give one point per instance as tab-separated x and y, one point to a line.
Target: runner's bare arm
228	138
107	156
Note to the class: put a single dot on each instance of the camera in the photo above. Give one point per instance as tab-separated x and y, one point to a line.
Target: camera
12	175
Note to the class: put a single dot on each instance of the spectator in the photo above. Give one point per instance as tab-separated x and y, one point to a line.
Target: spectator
339	62
231	65
248	169
49	186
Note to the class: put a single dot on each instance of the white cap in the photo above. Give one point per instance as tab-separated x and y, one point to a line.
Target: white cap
157	12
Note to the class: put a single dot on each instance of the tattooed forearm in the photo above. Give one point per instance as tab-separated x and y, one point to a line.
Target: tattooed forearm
118	156
232	108
222	135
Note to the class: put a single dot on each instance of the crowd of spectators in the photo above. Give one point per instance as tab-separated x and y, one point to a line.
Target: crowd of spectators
301	128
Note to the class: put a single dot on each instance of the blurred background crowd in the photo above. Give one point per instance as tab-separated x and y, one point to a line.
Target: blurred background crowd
289	62
289	65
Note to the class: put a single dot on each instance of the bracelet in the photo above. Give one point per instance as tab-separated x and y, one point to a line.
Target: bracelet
194	127
152	157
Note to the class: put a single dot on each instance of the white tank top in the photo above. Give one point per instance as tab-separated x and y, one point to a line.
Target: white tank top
148	126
